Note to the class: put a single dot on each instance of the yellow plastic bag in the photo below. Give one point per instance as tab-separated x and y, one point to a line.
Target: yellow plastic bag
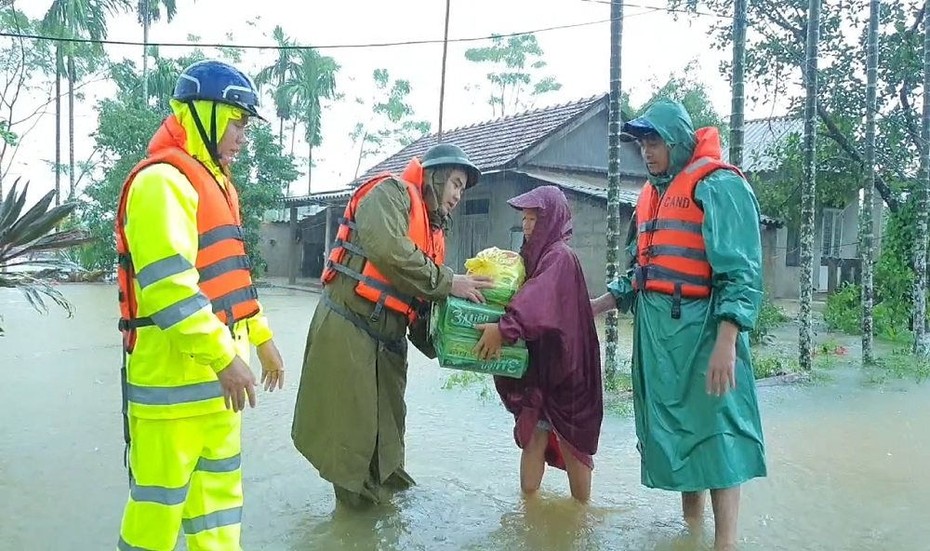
506	267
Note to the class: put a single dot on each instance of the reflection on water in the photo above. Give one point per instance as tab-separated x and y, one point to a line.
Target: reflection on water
847	461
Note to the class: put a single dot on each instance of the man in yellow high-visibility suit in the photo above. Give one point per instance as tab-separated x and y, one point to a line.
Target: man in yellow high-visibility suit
189	312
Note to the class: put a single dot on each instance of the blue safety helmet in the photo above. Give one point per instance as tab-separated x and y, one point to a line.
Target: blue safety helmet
212	80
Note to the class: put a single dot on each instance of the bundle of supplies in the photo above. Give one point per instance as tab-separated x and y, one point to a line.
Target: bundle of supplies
453	321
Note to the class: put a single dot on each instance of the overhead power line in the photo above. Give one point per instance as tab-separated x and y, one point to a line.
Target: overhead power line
293	46
34	36
661	8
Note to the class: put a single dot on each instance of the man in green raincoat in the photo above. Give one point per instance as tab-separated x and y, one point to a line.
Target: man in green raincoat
349	419
695	288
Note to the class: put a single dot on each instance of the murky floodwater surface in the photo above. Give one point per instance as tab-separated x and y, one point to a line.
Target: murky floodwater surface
849	464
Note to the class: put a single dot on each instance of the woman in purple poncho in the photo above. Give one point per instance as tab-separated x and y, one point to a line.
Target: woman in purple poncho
558	405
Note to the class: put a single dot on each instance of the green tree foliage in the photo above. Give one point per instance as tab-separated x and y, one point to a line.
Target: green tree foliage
692	93
393	125
774	60
894	282
515	80
774	65
28	243
126	125
22	64
262	174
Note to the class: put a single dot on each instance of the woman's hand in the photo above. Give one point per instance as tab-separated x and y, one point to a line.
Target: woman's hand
490	343
602	304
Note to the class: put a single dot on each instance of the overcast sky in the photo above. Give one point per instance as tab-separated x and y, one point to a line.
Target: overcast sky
655	46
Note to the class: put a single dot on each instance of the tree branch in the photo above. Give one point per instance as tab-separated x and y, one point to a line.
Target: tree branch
834	133
918	19
909	122
907	85
776	17
5	171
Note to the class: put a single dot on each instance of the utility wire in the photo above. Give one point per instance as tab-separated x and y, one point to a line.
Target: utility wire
660	8
35	36
295	46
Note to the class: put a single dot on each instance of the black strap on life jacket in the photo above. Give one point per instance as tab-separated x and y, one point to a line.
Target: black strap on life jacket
386	290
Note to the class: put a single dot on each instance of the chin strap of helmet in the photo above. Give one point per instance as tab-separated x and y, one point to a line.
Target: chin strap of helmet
211	140
432	192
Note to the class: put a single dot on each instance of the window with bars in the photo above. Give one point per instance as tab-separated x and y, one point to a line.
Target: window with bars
793	248
832	235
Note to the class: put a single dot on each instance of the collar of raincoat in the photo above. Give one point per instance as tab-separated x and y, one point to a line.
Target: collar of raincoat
191	141
553	222
673	124
431	192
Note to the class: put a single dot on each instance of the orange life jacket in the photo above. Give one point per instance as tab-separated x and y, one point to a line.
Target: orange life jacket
371	284
671	258
222	262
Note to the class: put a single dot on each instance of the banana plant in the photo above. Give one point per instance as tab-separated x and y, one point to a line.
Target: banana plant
30	244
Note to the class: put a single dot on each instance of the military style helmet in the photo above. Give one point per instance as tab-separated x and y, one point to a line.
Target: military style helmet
447	154
212	80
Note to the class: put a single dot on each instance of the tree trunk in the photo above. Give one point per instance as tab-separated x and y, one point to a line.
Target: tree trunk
361	152
71	77
58	62
145	51
612	361
921	346
280	117
293	135
311	139
310	169
738	101
866	229
808	196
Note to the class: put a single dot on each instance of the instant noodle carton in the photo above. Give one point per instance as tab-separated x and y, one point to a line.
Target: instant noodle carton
453	320
454	338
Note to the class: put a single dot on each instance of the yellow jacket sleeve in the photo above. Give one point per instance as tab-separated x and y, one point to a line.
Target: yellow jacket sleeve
161	233
259	329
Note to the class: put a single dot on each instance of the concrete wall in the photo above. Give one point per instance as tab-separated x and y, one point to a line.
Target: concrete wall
273	247
586	147
589	219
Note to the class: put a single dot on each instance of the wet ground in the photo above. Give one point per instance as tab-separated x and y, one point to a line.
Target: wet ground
847	460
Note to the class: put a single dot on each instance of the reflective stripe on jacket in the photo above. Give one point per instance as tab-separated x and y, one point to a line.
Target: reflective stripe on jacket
671	257
184	278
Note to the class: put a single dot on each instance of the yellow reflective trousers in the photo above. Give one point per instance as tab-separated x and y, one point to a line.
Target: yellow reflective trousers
185	475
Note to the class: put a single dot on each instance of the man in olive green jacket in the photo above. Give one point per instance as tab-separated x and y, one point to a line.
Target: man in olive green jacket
349	419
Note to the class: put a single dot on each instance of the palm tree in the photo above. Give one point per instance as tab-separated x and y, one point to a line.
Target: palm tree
22	235
75	19
150	11
315	81
284	68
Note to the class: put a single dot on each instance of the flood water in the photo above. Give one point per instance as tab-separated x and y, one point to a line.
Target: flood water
849	463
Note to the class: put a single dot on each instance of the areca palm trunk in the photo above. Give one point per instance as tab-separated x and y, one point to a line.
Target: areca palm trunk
145	47
613	182
71	77
58	62
866	230
808	195
738	100
921	346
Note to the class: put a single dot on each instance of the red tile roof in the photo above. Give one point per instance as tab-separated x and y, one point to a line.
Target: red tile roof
492	144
